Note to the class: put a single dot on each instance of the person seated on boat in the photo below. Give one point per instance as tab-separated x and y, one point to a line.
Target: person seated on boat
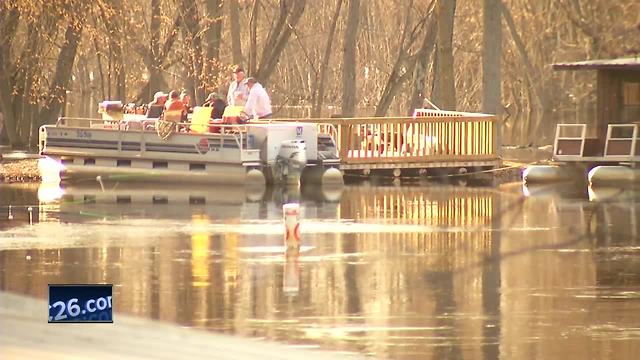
258	104
218	105
174	102
238	89
155	108
175	107
186	100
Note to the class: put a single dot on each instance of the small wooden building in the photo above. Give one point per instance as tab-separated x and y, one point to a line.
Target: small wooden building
617	120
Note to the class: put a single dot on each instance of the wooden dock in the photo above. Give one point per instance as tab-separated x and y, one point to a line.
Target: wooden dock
429	139
25	334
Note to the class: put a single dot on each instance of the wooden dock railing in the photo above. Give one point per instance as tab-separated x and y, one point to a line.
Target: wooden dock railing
430	135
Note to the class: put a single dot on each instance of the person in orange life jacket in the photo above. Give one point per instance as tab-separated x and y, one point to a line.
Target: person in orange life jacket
174	102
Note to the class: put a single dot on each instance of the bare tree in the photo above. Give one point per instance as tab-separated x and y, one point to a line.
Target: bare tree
288	17
234	21
446	89
491	56
319	95
213	28
424	57
349	60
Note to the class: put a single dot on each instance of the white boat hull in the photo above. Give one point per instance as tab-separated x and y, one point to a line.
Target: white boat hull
242	155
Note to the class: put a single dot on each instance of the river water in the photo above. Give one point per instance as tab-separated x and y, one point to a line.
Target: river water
428	271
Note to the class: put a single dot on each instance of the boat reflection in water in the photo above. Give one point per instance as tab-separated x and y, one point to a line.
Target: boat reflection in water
613	194
553	190
75	202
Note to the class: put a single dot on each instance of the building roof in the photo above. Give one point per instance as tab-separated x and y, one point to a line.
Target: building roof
632	63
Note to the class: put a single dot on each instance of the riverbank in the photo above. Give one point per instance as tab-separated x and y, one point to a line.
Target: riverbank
26	170
16	171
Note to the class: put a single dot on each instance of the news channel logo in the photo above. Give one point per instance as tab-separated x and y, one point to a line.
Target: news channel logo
80	303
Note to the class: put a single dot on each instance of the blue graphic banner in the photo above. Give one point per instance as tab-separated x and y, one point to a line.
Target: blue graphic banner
80	303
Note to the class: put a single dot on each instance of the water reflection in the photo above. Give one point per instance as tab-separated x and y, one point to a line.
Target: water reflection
430	271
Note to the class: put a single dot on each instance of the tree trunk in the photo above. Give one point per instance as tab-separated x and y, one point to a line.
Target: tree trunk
349	60
154	60
9	20
214	31
117	39
278	37
445	11
319	96
114	23
64	66
191	21
234	21
400	70
155	76
491	57
491	64
540	98
253	37
26	70
420	70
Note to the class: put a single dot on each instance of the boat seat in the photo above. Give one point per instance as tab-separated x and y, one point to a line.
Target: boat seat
154	111
173	115
200	120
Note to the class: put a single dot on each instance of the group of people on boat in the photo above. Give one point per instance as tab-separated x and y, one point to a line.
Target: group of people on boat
250	94
243	92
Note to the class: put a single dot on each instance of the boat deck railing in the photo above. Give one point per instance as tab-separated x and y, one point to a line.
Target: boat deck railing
237	131
428	136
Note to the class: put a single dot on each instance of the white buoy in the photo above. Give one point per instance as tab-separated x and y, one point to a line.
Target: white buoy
545	173
332	176
255	177
30	209
291	214
10	217
601	175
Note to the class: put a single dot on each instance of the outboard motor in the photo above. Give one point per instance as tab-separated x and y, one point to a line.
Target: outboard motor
291	161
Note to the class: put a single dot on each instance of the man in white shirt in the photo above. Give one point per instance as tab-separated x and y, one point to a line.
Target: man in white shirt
238	90
258	104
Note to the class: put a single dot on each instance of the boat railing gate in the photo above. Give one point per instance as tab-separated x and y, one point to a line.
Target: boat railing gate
566	143
226	129
428	136
621	144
